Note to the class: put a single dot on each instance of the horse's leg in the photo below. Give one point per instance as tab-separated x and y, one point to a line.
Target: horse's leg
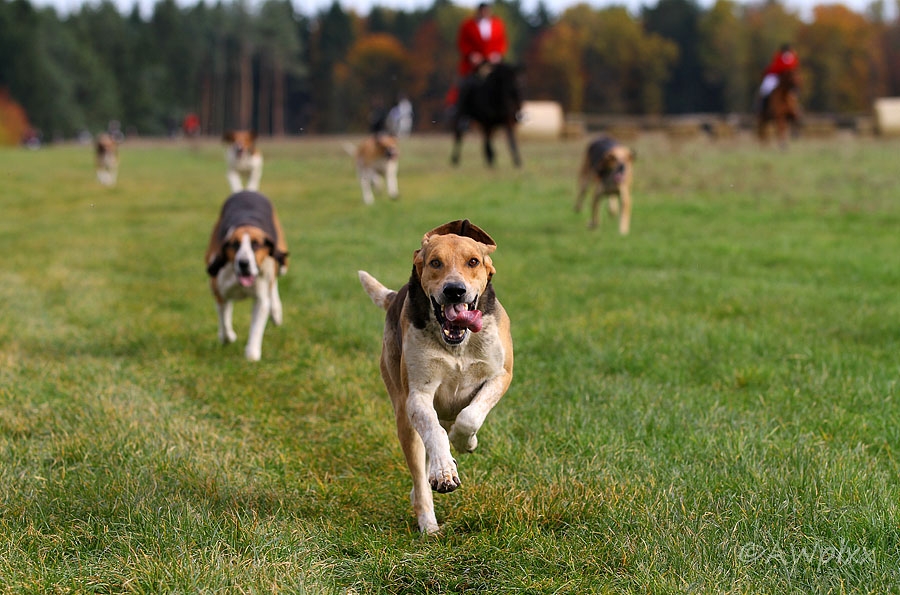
488	147
761	128
457	143
513	145
781	128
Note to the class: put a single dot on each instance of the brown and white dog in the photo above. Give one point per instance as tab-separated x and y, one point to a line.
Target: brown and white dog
246	254
377	161
447	355
243	159
607	164
107	159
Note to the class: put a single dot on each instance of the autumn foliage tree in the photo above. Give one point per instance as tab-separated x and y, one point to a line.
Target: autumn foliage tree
377	69
601	61
841	57
13	120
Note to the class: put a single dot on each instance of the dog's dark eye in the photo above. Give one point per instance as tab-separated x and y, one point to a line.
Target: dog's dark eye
234	245
474	262
435	264
255	245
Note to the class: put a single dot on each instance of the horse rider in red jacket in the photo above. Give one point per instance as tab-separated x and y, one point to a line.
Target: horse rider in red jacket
783	60
481	39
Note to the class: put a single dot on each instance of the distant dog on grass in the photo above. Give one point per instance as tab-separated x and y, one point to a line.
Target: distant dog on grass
377	161
246	254
447	355
244	159
107	159
608	165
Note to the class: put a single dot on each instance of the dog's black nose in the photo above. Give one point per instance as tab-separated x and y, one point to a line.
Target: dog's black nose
244	265
454	291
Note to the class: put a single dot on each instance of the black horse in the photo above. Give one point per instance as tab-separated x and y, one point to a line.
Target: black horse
490	97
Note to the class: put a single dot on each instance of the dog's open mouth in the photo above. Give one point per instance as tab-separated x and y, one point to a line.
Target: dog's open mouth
246	280
457	320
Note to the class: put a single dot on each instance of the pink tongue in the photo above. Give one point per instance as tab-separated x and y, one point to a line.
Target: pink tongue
246	281
462	317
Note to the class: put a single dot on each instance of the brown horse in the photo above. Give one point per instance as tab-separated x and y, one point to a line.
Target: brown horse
781	107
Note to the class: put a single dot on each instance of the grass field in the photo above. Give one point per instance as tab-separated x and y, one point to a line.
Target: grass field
707	405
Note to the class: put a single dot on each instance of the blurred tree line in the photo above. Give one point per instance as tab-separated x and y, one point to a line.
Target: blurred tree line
280	72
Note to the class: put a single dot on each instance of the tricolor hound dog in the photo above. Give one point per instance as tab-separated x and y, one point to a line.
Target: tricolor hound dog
244	160
377	159
447	355
246	254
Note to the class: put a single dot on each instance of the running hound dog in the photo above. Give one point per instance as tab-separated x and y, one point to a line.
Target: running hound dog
377	161
246	254
608	165
107	159
244	159
447	355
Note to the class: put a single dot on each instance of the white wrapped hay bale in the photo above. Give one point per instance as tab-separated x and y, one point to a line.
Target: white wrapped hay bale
887	116
541	120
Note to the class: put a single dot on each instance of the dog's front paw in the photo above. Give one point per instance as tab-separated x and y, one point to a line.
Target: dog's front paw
227	336
444	477
462	441
253	354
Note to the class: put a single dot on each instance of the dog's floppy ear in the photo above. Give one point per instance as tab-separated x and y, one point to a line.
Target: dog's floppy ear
279	256
220	260
419	258
464	228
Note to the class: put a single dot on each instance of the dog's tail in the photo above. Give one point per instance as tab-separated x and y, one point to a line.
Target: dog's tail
381	295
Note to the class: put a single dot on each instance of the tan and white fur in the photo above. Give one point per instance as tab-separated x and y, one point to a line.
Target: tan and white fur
244	261
244	160
608	165
107	159
377	162
447	356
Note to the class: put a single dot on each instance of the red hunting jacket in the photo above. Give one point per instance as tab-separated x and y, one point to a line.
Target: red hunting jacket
469	41
782	62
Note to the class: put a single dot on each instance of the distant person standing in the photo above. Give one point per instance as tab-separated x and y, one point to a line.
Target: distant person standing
481	39
400	118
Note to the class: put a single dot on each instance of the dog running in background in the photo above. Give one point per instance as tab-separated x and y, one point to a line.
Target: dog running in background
447	355
246	254
607	165
377	161
107	159
244	160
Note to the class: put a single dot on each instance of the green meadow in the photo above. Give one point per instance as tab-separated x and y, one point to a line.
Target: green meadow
708	405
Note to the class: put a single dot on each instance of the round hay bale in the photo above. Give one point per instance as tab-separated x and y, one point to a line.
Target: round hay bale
541	120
